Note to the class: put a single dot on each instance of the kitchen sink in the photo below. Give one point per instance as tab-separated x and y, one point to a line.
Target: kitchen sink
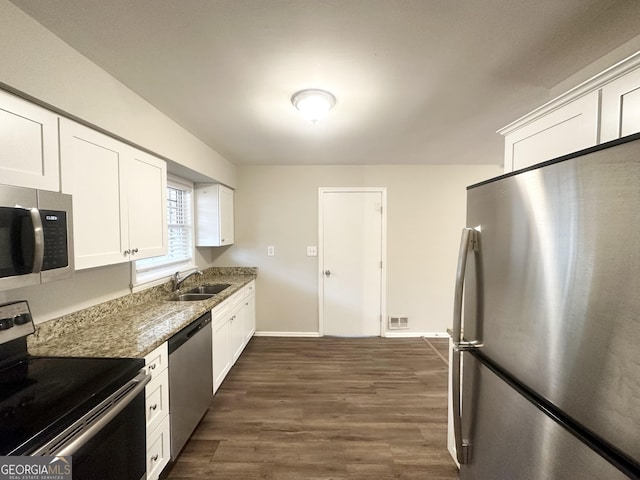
190	297
209	289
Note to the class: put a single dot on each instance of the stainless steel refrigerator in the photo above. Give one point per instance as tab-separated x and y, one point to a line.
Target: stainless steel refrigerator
546	363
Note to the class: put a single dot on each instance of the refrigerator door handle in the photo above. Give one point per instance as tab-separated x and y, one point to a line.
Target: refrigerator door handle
468	242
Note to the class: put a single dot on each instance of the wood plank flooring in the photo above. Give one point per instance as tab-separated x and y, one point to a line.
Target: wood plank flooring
326	408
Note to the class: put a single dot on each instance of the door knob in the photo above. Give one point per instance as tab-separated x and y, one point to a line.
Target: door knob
327	273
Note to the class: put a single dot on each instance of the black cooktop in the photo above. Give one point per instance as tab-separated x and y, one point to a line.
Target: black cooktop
41	396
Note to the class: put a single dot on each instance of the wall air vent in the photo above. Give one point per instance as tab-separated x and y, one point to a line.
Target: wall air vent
397	322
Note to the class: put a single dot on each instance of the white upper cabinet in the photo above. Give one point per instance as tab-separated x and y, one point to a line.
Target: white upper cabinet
119	197
567	129
28	144
604	108
621	107
147	205
214	215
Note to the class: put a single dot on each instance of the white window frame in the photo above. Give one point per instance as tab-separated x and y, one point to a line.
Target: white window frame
157	274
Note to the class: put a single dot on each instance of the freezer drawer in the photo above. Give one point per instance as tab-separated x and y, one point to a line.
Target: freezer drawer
512	439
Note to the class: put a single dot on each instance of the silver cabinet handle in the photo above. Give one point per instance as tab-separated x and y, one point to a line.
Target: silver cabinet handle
327	273
38	235
127	252
154	458
469	241
152	366
134	251
153	407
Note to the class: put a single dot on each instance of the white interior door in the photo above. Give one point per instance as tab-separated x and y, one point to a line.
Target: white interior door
351	262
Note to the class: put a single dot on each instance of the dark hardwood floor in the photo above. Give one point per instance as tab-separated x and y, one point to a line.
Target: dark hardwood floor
326	408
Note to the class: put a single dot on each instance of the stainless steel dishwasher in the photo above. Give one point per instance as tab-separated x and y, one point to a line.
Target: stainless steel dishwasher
190	380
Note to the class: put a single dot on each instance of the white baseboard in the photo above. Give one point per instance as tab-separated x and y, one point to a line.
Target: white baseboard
394	334
405	334
286	334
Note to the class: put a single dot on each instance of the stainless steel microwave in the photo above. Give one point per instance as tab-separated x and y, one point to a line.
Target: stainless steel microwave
36	243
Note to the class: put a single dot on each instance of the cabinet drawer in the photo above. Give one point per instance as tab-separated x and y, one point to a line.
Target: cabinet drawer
236	299
157	399
158	452
250	288
157	361
219	313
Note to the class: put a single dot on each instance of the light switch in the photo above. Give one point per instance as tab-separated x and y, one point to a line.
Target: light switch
271	251
312	251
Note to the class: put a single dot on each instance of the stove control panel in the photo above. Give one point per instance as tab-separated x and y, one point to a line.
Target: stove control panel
15	321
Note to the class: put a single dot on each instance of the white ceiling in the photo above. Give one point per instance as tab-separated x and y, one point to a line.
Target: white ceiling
416	81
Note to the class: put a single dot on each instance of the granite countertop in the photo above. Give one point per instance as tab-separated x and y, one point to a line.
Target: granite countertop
134	325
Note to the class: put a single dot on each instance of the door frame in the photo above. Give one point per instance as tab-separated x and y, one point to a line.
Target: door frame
383	270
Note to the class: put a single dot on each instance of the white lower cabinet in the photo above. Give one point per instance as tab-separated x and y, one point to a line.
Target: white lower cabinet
222	354
249	313
158	451
237	331
157	411
451	440
233	326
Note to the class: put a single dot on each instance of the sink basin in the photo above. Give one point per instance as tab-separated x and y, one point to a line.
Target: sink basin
208	289
190	297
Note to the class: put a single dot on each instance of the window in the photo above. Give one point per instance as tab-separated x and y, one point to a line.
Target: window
179	255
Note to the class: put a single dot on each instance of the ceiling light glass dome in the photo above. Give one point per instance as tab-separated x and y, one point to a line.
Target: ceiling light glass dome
313	103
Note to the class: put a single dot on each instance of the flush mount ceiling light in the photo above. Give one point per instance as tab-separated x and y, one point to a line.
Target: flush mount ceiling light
313	103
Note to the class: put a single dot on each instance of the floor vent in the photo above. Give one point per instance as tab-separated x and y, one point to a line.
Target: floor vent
398	323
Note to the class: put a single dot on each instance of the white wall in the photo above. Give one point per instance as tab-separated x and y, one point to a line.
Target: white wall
36	62
278	205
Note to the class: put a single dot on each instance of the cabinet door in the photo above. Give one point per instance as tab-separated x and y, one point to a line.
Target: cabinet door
249	315
147	202
222	353
28	144
91	167
565	130
214	215
621	107
226	216
237	332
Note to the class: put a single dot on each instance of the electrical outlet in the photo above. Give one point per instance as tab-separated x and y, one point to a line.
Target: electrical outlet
312	251
271	251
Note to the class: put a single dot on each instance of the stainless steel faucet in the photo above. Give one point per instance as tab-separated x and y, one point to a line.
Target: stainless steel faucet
177	281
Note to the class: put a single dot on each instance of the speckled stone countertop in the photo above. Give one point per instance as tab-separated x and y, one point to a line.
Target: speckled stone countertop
133	325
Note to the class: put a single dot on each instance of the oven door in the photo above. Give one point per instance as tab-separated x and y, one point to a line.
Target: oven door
109	442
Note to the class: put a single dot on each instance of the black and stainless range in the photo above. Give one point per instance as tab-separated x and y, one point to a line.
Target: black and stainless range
89	408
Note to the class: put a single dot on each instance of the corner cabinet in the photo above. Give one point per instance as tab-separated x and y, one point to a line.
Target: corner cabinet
119	197
214	215
28	144
604	108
